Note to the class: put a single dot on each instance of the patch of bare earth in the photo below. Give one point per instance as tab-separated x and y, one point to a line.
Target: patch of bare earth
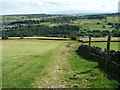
59	68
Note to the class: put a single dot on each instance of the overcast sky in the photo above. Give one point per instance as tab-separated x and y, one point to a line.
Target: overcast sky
57	6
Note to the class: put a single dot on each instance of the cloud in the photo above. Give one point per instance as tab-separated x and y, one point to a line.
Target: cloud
57	6
20	8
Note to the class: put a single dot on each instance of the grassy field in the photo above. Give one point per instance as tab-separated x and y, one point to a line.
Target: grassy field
113	45
92	23
49	64
101	39
24	61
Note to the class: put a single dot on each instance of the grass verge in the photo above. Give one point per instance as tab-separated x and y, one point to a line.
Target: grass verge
87	74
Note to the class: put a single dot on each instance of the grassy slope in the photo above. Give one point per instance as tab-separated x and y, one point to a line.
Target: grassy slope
90	23
24	61
86	73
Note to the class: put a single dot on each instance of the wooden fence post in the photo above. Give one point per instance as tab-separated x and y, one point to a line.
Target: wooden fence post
89	41
108	50
89	46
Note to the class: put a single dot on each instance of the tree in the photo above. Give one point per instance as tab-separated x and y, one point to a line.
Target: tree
98	23
103	26
73	36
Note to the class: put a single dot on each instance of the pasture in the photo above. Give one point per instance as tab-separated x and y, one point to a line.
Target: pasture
100	39
24	61
103	45
35	63
114	45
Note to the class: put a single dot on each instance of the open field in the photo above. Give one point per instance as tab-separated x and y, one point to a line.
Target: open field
114	45
49	64
42	50
24	61
90	23
101	39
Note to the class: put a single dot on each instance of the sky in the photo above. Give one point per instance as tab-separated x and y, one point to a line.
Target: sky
8	7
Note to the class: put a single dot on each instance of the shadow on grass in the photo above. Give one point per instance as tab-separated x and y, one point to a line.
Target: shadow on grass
111	74
84	72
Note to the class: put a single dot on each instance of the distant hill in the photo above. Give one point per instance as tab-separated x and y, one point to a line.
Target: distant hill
77	14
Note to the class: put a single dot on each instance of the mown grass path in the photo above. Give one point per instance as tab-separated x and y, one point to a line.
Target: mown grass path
59	68
71	71
25	61
49	64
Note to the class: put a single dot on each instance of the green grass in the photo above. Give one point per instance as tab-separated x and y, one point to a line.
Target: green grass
101	39
97	27
50	24
86	75
113	45
25	61
90	23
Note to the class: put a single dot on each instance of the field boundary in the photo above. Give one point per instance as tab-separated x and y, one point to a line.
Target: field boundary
84	40
96	54
40	38
106	41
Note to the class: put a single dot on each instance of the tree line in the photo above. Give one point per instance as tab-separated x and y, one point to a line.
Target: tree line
54	20
56	31
41	30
